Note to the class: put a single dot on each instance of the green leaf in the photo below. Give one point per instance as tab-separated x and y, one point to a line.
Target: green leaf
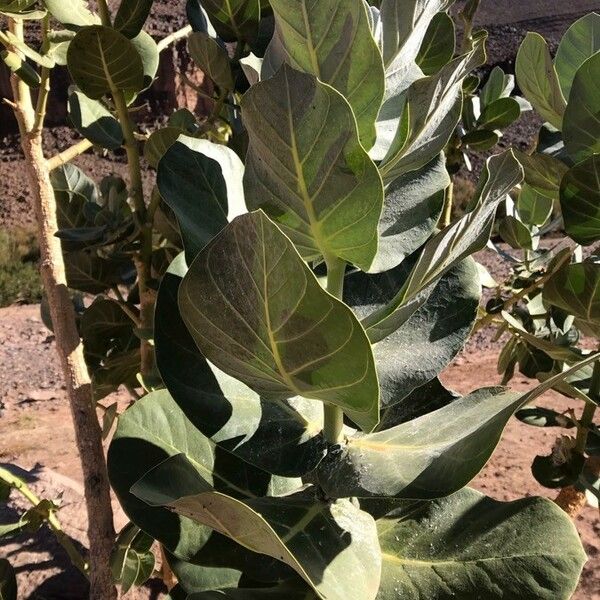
534	208
581	41
307	170
101	60
542	172
212	59
580	201
8	581
272	326
202	183
500	114
576	289
132	561
480	140
430	115
196	578
333	41
404	24
72	180
515	233
282	437
131	16
324	542
159	143
284	591
581	126
469	546
18	45
454	243
15	6
461	437
88	272
94	121
21	68
498	85
411	210
234	19
423	346
154	429
148	50
538	80
438	44
72	14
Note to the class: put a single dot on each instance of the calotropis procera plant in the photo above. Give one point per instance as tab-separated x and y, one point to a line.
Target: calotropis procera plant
551	308
303	445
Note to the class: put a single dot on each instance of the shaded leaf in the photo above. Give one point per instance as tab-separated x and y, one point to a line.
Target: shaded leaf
580	201
101	60
131	16
8	581
500	114
581	126
325	543
233	19
461	239
542	172
411	209
202	183
533	207
438	44
272	326
307	170
154	429
538	80
212	59
333	41
94	121
468	546
515	233
498	85
281	436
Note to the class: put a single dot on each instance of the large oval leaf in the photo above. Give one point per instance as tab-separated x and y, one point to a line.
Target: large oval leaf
101	60
94	121
581	127
258	313
131	16
471	547
202	183
411	210
580	201
212	58
581	41
405	462
454	243
438	44
333	546
151	431
233	19
333	41
281	436
538	80
307	170
543	172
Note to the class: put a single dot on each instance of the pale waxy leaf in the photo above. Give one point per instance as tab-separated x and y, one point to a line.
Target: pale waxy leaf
430	115
581	41
151	431
333	41
281	436
581	125
538	80
307	170
454	243
333	546
72	14
411	210
102	60
580	201
398	462
471	547
258	313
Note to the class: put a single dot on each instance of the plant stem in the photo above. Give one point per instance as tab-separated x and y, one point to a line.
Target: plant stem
174	37
334	416
69	154
104	13
63	539
448	206
88	434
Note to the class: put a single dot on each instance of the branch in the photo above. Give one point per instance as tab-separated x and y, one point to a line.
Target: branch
68	155
174	37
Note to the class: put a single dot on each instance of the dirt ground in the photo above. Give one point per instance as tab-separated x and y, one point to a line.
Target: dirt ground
37	436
